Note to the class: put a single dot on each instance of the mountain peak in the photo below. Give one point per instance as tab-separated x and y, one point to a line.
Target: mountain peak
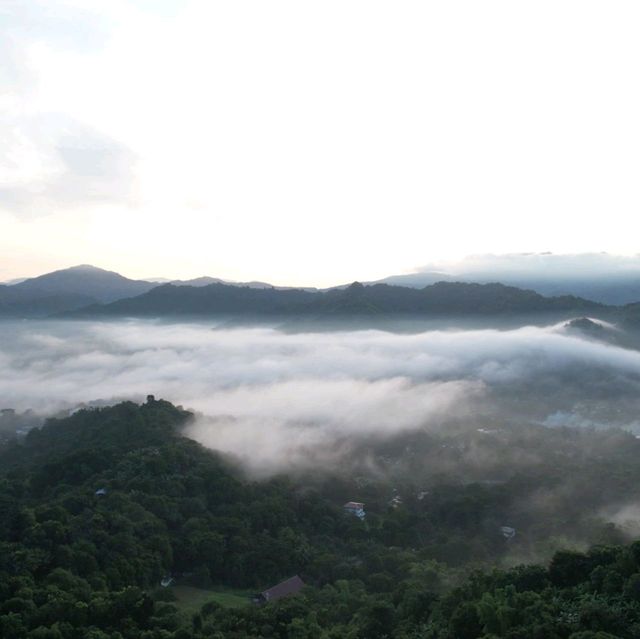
85	284
85	267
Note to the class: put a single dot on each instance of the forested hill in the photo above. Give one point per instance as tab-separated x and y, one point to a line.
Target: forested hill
442	298
97	508
65	290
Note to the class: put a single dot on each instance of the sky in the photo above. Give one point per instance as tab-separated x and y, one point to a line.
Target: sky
312	143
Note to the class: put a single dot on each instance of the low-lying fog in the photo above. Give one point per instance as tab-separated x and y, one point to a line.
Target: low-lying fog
269	396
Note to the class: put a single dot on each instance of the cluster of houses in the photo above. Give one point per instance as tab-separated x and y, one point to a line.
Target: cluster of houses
294	585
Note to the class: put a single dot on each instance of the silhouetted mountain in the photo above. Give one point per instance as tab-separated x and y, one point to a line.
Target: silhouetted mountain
631	315
206	280
602	332
172	299
104	286
605	287
15	302
586	326
93	291
452	298
623	332
418	280
197	281
66	290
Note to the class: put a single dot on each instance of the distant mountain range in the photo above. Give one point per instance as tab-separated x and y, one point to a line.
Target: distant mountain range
443	298
205	281
80	286
599	277
84	291
610	289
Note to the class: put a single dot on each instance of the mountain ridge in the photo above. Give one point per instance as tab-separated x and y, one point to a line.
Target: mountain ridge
104	285
66	290
598	277
83	290
356	299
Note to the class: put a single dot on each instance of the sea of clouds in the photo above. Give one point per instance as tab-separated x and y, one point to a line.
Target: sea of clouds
265	395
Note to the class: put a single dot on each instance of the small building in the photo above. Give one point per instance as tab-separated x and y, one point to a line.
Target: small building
287	588
508	532
355	508
101	492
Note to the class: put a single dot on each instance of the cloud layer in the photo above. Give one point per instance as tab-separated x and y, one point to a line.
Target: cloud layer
542	266
267	396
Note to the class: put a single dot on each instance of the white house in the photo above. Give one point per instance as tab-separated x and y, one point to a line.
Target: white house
508	532
355	508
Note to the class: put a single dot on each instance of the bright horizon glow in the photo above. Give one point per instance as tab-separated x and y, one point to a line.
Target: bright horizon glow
313	143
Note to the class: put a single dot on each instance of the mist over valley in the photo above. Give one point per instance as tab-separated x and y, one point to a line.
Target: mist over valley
470	442
343	380
319	320
466	425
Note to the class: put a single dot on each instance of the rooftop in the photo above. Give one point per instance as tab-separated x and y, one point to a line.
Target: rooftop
286	588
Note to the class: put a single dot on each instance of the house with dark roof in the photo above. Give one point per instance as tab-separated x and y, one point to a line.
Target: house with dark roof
287	588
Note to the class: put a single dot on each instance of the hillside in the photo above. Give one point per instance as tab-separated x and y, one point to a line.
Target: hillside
16	302
206	280
103	286
87	291
171	299
96	509
594	277
67	289
443	298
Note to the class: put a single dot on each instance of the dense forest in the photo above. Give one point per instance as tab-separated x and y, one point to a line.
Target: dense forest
462	538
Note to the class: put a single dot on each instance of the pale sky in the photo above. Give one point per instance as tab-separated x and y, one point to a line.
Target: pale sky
314	143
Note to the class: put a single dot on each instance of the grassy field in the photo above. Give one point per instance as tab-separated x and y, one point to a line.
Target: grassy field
191	599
